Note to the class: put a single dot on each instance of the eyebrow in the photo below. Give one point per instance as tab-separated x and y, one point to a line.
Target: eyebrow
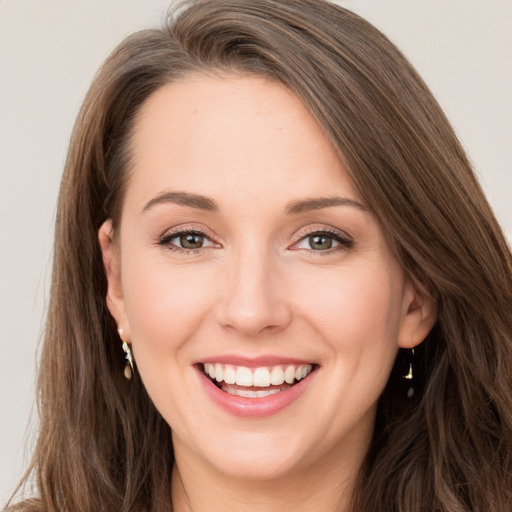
183	199
317	203
208	204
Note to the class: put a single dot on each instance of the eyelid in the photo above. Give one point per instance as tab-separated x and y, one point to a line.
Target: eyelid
344	240
179	234
182	229
189	226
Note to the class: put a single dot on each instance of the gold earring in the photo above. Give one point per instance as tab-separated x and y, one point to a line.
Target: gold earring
410	376
128	369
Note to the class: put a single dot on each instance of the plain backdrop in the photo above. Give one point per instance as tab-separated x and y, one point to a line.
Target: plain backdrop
49	52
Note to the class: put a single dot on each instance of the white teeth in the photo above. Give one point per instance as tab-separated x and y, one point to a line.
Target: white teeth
249	393
277	376
261	378
258	377
229	374
260	394
252	393
219	373
243	376
289	374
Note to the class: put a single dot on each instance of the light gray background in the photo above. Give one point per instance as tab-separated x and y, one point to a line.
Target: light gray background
49	52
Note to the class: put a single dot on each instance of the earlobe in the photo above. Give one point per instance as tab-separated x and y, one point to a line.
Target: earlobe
111	264
420	313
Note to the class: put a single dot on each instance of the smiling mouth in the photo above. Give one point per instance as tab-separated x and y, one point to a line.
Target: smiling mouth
256	382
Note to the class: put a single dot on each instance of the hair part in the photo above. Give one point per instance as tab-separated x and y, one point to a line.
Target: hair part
102	444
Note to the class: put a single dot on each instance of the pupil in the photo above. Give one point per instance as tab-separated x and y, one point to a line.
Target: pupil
319	242
191	241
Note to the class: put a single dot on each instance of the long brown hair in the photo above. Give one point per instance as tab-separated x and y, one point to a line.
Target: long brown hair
103	446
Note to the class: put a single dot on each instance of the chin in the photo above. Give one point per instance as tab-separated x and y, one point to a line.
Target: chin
254	455
257	465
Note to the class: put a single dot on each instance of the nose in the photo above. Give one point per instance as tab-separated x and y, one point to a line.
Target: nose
254	295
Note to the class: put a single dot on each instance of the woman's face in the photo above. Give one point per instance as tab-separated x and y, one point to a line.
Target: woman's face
245	252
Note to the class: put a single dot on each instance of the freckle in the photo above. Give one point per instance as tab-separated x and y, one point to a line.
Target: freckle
195	111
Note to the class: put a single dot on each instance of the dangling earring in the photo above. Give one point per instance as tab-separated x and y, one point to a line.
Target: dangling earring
128	369
410	376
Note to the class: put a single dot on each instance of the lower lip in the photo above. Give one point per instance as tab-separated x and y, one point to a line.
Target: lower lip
261	407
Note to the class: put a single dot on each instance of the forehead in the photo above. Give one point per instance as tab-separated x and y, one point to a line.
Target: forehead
216	135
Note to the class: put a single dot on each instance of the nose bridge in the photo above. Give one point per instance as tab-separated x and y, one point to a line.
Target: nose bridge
253	296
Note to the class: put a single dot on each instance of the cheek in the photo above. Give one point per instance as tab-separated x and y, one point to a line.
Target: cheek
354	308
356	314
165	304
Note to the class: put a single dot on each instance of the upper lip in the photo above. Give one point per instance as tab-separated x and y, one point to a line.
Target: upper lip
254	362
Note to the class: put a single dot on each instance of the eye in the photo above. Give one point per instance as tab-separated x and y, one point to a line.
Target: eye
323	241
186	241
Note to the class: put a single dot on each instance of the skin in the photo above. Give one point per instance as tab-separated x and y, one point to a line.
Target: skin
258	286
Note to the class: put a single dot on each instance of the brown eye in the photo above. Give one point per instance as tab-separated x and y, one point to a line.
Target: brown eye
191	240
324	241
186	241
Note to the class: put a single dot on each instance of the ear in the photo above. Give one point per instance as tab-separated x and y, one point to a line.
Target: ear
419	316
112	264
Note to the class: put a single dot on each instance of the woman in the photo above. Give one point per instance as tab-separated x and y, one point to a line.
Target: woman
276	281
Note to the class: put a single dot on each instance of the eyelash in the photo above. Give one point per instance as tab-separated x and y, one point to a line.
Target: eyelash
343	240
166	240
